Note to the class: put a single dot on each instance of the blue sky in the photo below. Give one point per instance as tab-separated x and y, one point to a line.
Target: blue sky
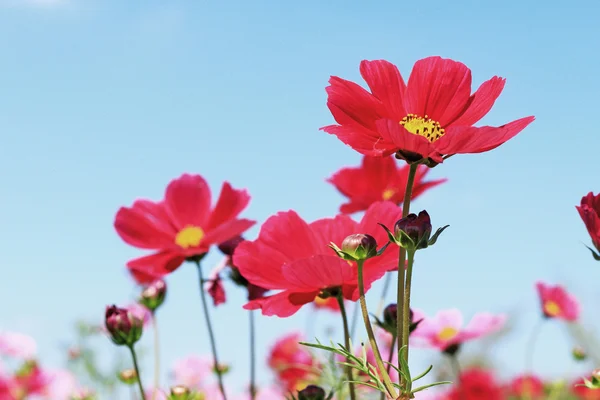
102	102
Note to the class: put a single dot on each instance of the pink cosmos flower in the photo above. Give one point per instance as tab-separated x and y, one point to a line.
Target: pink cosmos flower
446	328
192	371
556	302
17	345
155	394
140	312
61	385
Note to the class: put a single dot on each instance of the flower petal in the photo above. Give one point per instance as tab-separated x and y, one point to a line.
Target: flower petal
230	204
391	131
334	230
350	103
461	140
360	139
386	83
284	304
149	268
137	227
187	199
318	272
225	231
439	88
480	102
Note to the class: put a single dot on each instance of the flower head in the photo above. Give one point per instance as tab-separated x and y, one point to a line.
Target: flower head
589	210
424	120
556	302
413	231
292	363
476	384
181	226
527	387
359	246
154	294
123	327
191	371
18	345
446	329
293	256
377	179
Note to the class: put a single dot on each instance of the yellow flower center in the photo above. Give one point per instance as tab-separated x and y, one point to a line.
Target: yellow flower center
447	333
552	309
190	236
426	127
320	301
388	194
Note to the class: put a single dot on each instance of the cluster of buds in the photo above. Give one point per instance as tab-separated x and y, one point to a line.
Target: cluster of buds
413	232
153	295
124	328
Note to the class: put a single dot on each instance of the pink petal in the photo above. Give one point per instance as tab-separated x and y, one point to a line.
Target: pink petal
318	272
284	304
187	201
481	102
230	204
386	83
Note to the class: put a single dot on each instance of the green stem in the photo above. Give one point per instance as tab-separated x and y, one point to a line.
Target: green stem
340	300
252	357
386	286
156	356
406	302
211	335
137	372
401	262
354	320
455	365
365	313
529	351
390	357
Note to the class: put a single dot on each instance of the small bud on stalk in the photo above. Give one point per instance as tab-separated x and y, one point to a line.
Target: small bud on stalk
357	247
579	354
180	392
311	392
128	376
154	295
413	232
123	326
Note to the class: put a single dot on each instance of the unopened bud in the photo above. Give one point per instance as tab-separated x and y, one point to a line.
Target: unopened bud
390	315
74	353
154	294
311	392
360	246
83	394
180	392
123	326
128	376
413	231
579	354
229	246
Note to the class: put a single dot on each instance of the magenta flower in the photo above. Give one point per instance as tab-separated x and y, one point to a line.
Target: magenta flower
556	302
192	371
446	329
18	345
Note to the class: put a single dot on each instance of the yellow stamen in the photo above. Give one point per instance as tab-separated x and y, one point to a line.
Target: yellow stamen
190	236
319	301
447	333
552	309
388	194
423	126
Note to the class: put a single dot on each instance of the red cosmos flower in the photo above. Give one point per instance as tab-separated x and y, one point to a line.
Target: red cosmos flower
293	364
527	387
556	302
476	384
430	117
378	178
589	210
183	225
293	256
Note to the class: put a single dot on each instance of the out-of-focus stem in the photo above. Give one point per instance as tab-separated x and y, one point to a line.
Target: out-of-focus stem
349	374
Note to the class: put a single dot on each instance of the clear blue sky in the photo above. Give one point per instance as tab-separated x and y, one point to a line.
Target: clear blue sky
102	102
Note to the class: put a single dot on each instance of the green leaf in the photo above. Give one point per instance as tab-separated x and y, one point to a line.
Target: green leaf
420	388
391	236
437	233
596	255
423	374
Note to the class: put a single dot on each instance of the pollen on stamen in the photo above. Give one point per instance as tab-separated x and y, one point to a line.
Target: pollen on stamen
423	126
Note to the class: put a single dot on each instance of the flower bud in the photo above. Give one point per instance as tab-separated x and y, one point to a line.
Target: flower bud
83	394
390	314
123	326
596	373
154	295
311	392
359	246
579	354
180	392
128	376
413	231
228	247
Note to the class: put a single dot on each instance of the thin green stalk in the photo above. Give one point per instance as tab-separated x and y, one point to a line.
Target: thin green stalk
137	372
365	313
252	357
457	371
156	356
211	335
354	319
401	263
349	374
529	351
406	302
386	286
390	358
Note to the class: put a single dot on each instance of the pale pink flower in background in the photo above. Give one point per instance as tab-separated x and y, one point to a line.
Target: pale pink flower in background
446	328
191	371
17	345
141	312
556	302
266	393
61	385
158	394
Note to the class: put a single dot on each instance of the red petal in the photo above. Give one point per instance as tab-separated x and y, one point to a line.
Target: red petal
283	237
225	231
386	83
140	229
217	291
361	140
284	304
439	88
350	103
460	140
334	230
149	268
187	199
392	131
318	272
231	202
481	102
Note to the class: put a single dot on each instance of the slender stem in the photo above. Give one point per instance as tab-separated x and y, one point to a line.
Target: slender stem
252	357
401	262
386	286
455	364
354	319
390	358
365	313
406	302
156	356
340	300
211	335
137	372
529	351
